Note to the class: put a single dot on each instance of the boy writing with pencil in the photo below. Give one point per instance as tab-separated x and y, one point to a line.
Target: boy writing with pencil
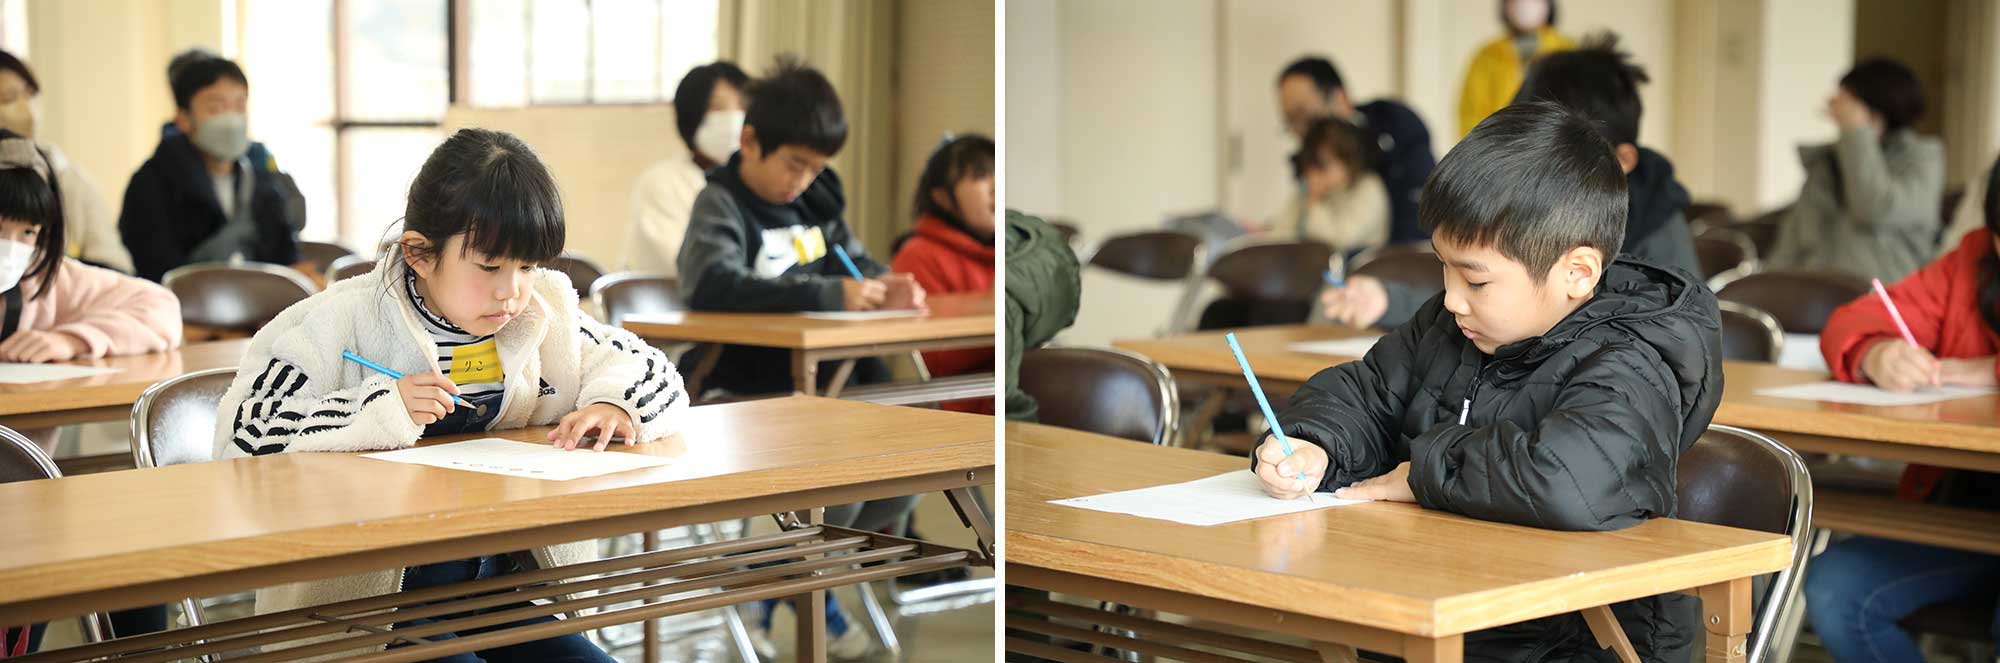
1550	385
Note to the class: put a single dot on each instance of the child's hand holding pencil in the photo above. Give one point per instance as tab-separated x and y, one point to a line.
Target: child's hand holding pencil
1281	474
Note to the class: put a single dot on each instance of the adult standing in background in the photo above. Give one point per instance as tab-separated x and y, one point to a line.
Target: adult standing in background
91	230
1869	206
1311	88
1498	67
708	113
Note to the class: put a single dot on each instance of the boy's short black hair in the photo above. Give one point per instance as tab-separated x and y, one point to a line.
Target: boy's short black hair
1324	76
1888	88
195	76
692	95
796	105
1533	180
8	62
1596	79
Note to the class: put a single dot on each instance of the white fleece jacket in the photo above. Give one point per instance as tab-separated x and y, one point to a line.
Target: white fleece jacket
295	392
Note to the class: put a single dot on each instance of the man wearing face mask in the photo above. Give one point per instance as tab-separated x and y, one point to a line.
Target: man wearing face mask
260	155
91	228
708	113
199	198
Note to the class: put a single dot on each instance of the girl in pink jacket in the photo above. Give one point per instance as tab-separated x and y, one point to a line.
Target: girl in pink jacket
53	308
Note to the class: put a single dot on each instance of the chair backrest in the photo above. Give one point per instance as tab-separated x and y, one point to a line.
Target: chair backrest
1413	265
1801	301
1104	391
625	293
1749	334
1762	230
1725	255
1708	213
581	272
236	297
174	421
347	267
321	254
1738	478
1160	255
1265	283
23	460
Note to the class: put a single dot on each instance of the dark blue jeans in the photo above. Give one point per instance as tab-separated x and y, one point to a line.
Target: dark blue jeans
1859	588
572	648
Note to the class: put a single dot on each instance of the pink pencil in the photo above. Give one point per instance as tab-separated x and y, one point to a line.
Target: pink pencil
1895	314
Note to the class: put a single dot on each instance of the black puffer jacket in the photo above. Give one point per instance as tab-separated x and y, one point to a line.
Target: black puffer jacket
1578	429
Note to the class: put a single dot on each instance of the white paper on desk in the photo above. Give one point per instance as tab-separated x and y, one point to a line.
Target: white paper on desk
888	314
1861	394
1353	346
1223	498
1801	352
520	459
32	373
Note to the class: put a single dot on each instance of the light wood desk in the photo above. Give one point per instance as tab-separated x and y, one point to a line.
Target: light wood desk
1961	434
954	321
109	397
124	539
1391	578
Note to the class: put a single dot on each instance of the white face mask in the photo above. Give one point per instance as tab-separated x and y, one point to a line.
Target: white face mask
14	260
1528	15
719	134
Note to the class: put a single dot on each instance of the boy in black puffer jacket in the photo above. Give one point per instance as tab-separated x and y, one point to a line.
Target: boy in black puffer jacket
1548	386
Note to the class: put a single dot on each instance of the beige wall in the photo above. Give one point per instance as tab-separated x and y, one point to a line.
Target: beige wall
102	64
945	59
1031	152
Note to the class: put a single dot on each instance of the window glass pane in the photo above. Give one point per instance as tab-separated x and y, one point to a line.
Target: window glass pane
288	57
560	44
395	59
498	59
625	43
687	29
380	164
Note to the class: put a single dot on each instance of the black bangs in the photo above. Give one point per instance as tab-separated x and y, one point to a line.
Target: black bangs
1533	180
25	196
490	187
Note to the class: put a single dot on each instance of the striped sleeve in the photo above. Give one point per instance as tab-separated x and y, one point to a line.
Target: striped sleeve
619	369
287	410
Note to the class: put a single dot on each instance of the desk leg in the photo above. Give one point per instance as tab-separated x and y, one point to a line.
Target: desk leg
1194	432
1450	649
969	514
810	608
710	353
651	642
1610	634
840	376
1725	611
805	372
1330	652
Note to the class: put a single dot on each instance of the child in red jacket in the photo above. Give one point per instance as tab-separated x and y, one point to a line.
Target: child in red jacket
952	250
1860	587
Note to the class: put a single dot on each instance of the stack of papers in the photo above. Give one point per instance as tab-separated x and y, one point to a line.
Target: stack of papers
1353	346
1861	394
32	373
1223	498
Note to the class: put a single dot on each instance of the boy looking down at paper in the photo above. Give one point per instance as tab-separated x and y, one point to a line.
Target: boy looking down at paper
1549	385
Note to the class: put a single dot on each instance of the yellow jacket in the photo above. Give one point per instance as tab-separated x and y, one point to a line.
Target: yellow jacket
1495	75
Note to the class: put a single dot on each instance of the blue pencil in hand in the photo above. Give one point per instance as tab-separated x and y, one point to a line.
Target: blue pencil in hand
1257	390
395	375
849	262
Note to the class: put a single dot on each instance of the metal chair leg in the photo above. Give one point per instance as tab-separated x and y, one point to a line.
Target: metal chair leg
878	619
739	635
1787	633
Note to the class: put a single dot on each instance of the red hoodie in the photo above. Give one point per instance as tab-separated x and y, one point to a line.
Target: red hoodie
945	259
1941	304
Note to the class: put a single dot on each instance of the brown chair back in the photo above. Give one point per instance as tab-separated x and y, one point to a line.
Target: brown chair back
240	298
347	267
1738	478
1266	283
581	272
1749	334
321	254
1412	265
1159	255
1801	301
1723	252
1104	391
625	293
23	460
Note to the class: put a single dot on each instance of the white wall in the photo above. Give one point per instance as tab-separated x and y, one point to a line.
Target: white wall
1033	181
1807	45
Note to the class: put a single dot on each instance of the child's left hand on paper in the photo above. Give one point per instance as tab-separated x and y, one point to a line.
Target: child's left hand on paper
607	420
37	347
904	291
1391	487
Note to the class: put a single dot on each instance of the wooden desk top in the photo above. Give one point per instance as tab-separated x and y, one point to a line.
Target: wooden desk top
138	372
1971	424
120	529
950	317
1265	347
1391	566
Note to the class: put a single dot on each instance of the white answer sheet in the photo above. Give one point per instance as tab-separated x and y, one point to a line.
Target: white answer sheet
1223	498
520	459
1861	394
1354	346
31	373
